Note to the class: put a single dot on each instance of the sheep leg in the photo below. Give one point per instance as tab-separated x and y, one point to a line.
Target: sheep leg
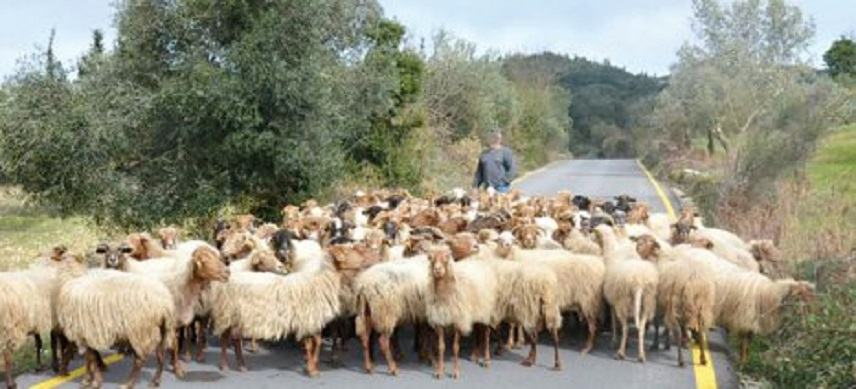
456	348
744	347
92	357
656	324
439	369
54	352
237	344
396	346
317	351
38	341
201	341
520	338
135	371
7	365
557	360
309	346
383	340
512	330
640	330
533	350
592	331
90	374
486	347
67	353
700	339
176	362
613	321
254	346
425	343
676	334
161	357
623	344
365	341
475	353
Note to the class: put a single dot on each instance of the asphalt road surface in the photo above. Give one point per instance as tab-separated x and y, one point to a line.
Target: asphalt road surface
280	365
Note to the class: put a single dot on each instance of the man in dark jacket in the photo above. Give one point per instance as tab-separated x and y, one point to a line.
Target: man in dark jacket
496	166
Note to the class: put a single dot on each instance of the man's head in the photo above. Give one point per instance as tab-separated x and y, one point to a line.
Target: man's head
495	139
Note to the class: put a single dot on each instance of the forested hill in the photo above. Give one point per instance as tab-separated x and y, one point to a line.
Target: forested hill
606	100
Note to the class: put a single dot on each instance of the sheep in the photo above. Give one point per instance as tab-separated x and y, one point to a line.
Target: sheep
526	300
725	248
268	306
102	307
185	278
750	303
290	250
685	291
460	295
581	276
573	240
388	294
168	237
629	286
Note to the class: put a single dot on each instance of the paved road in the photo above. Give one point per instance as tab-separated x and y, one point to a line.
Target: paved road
280	365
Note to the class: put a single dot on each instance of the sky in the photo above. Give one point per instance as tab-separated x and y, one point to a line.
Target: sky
640	35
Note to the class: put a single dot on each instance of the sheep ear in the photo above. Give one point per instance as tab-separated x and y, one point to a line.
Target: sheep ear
102	248
125	249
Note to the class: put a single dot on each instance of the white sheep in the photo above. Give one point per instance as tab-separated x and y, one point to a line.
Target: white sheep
685	291
25	310
750	303
460	295
389	294
581	286
268	306
629	286
102	307
527	300
724	246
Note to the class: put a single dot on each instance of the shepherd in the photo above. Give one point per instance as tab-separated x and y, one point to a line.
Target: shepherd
496	166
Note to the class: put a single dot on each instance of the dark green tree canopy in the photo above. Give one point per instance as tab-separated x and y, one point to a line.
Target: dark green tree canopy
841	57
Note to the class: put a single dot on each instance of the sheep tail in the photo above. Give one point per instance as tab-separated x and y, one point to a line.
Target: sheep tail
637	306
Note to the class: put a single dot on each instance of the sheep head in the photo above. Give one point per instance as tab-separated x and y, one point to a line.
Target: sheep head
290	212
647	247
463	245
115	257
527	235
487	235
440	259
283	247
57	252
245	222
207	265
139	243
504	244
638	213
702	243
266	231
681	231
221	232
237	245
764	250
168	237
265	261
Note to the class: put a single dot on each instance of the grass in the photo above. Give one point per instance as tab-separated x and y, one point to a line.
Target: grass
25	233
818	237
28	231
833	168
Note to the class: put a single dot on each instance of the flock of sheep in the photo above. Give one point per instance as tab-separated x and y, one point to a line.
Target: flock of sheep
494	267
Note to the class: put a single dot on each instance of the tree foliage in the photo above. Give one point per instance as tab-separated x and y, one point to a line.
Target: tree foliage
840	59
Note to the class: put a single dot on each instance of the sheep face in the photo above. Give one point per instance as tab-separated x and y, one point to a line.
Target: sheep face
237	245
390	229
114	257
647	247
440	259
581	202
801	290
764	250
168	237
265	261
139	245
681	232
57	252
291	212
266	231
638	214
282	246
504	244
463	245
246	222
207	265
221	232
527	235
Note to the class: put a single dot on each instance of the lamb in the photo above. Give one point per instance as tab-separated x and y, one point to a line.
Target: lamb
460	295
581	278
388	294
268	306
685	291
102	307
750	303
629	285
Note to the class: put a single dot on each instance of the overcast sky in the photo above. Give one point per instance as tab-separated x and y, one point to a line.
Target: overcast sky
641	35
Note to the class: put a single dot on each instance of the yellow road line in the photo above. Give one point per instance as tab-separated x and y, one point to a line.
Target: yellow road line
705	377
75	374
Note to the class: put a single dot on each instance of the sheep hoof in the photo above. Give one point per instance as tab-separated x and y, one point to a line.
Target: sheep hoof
585	350
619	356
456	375
485	364
154	384
558	367
527	362
224	367
393	372
437	375
641	359
179	372
242	369
681	364
313	373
